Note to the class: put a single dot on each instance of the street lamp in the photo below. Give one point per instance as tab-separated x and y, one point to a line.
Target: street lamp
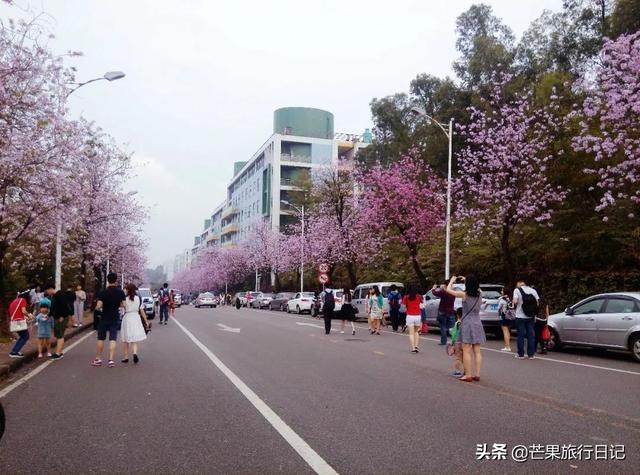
301	211
108	76
420	112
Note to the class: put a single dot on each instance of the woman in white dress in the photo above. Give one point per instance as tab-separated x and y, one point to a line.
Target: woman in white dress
132	327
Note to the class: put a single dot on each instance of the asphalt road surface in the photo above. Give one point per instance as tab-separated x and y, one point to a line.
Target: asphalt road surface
248	391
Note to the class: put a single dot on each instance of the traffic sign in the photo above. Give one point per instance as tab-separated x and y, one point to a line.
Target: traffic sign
323	278
323	268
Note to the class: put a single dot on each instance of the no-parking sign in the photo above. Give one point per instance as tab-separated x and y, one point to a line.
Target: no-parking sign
323	278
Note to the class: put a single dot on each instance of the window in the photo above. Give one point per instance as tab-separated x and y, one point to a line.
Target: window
592	306
618	305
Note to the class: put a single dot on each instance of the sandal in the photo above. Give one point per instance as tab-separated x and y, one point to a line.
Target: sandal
111	364
466	379
96	362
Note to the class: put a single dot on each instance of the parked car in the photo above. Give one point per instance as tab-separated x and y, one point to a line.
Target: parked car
338	295
243	298
250	297
361	293
279	302
301	302
488	307
262	300
607	321
146	298
206	299
177	297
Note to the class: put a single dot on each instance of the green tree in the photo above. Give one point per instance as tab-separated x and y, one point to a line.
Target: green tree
625	18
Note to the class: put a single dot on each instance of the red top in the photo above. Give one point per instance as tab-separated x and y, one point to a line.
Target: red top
16	307
413	306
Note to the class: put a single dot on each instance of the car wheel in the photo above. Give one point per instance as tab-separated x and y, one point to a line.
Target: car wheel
288	309
554	343
634	346
298	310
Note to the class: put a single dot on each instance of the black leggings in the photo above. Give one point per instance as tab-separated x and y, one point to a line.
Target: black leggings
328	315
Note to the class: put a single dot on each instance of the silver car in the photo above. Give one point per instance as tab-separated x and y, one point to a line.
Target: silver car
602	321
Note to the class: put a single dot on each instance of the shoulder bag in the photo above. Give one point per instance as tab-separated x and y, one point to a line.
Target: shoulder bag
17	325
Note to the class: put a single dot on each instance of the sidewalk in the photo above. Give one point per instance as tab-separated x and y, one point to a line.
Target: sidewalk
11	365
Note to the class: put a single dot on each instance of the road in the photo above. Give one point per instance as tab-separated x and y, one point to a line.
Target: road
248	391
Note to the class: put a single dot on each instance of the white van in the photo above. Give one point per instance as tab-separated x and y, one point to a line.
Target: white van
361	293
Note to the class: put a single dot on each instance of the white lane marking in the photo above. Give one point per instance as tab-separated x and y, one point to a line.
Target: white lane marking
310	456
310	325
551	360
40	368
228	329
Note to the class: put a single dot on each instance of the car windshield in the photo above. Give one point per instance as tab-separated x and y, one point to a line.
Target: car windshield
144	293
268	296
491	294
254	294
207	296
308	294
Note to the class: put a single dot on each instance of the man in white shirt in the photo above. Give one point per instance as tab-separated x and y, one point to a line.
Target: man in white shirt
525	324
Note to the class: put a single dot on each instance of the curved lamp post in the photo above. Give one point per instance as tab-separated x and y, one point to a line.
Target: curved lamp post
108	76
420	112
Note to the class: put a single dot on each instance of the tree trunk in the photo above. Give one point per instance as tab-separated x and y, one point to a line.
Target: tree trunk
422	279
507	259
278	285
353	277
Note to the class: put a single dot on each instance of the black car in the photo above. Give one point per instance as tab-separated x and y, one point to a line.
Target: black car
279	302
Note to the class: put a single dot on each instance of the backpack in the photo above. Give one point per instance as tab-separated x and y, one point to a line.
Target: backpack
529	304
164	297
507	313
329	300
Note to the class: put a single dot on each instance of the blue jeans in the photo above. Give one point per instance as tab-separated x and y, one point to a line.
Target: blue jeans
446	321
525	327
23	336
164	312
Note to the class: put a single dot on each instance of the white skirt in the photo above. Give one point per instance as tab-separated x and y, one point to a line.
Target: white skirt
132	329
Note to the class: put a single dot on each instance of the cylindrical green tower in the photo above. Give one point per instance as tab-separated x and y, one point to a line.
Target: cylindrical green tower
303	122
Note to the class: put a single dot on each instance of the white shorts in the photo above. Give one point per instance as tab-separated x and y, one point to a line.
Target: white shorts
413	320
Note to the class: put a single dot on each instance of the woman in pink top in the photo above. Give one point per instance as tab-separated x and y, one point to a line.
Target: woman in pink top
413	302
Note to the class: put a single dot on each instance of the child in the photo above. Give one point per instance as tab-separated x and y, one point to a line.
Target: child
45	327
457	346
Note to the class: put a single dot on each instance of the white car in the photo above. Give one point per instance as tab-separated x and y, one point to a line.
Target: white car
206	299
361	294
301	302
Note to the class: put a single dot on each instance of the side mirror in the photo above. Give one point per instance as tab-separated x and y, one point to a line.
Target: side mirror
568	311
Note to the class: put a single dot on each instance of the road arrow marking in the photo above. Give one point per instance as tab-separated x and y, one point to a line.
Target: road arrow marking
228	329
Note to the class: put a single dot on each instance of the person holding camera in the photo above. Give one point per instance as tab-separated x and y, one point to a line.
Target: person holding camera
472	334
446	313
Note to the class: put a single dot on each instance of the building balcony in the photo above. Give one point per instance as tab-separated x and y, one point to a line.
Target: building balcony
230	228
213	237
290	183
286	157
229	211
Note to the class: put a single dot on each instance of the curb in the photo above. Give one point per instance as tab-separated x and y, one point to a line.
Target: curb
17	363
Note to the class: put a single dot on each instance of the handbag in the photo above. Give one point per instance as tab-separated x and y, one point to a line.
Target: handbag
546	333
17	325
424	328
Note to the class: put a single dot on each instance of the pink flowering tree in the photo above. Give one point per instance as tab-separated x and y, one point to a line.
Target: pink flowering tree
502	181
403	203
610	114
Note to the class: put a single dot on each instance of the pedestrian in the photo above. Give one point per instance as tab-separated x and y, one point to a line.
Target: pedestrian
541	322
238	302
61	310
525	301
110	301
36	295
507	315
172	304
163	298
19	317
376	305
316	305
347	311
456	347
446	313
78	306
328	308
472	334
414	302
70	296
402	313
45	328
133	330
393	297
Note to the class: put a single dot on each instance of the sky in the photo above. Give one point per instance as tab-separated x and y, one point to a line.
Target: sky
203	78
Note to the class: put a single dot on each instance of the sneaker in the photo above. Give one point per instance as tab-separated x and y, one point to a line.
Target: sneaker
342	332
16	355
353	332
96	362
49	355
135	359
40	355
518	357
457	374
506	349
111	364
55	357
124	360
531	357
